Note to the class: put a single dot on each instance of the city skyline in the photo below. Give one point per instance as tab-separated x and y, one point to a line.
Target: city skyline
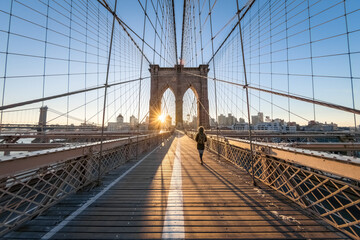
64	57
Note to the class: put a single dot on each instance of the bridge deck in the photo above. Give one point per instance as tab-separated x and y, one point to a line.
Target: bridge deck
170	195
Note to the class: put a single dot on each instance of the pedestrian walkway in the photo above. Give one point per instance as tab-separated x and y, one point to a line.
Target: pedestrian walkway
169	194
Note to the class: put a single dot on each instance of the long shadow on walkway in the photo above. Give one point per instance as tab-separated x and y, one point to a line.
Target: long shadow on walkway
133	208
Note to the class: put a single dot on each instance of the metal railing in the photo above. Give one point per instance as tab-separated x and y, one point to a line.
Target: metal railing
330	190
31	184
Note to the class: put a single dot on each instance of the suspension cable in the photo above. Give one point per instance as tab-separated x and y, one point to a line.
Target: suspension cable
247	96
105	94
300	98
141	69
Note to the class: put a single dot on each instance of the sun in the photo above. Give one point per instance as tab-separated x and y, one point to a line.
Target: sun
162	118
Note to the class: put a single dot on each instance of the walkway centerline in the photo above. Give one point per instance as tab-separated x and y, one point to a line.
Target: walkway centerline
174	216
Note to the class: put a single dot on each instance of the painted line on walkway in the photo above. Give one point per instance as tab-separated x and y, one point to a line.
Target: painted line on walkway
174	217
62	224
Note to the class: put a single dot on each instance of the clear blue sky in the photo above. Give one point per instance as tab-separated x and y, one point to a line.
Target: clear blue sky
276	58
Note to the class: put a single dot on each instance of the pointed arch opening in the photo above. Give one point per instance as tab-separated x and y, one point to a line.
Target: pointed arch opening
168	108
190	109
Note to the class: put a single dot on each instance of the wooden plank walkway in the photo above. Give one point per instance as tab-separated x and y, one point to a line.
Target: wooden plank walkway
170	195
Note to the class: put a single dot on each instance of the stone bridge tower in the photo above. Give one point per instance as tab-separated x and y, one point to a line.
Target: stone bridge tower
179	79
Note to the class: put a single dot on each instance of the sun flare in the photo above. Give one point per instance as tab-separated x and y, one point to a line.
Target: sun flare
162	118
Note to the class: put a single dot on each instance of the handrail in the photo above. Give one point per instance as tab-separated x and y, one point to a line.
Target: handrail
343	166
13	165
325	184
32	183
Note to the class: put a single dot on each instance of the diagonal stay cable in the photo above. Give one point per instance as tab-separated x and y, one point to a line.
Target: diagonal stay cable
173	13
248	5
105	94
300	98
19	104
124	26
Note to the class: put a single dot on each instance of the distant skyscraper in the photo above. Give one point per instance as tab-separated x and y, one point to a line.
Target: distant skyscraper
120	119
133	121
259	118
230	120
222	120
254	120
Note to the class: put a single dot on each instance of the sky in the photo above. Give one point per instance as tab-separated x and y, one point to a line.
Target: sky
54	47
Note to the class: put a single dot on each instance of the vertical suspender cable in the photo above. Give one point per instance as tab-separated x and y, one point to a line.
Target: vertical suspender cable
69	65
259	56
162	32
86	62
183	33
247	95
201	43
165	36
271	62
44	63
216	111
97	65
311	58
141	66
6	61
105	94
195	43
350	63
174	26
287	57
45	50
156	21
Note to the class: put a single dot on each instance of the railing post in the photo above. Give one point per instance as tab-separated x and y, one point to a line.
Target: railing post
247	95
105	92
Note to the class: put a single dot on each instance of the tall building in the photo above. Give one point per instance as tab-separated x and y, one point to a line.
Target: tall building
254	120
119	125
133	121
120	119
227	121
259	118
230	120
222	120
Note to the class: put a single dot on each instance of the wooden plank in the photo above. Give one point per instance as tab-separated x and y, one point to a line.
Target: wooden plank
113	228
219	202
78	235
154	218
124	221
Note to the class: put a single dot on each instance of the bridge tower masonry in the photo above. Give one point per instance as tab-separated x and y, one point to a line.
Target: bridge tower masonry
179	79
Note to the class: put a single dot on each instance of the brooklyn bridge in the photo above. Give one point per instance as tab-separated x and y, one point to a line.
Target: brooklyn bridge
101	101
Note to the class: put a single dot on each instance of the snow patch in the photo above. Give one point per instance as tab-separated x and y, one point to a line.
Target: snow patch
259	191
285	218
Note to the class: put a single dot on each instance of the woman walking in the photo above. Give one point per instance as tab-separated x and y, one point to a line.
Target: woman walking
201	139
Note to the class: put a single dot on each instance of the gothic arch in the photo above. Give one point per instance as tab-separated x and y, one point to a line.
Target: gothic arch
197	104
179	81
193	90
163	90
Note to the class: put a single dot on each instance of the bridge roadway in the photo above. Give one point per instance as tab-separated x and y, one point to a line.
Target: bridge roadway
168	194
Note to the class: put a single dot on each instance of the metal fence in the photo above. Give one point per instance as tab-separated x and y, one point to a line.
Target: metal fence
28	192
336	199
